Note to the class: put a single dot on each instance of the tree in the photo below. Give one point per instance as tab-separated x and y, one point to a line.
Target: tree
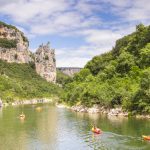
145	56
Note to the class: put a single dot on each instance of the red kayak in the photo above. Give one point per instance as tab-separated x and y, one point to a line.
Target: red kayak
96	130
146	137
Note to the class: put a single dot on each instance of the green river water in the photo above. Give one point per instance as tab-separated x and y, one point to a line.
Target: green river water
61	129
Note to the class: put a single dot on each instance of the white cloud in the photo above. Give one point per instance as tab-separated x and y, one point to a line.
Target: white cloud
72	58
82	18
26	11
98	42
118	3
101	37
78	57
46	17
135	10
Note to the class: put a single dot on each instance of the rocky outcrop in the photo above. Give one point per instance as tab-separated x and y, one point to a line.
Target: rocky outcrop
14	47
45	62
91	110
19	52
11	55
99	109
32	101
70	71
117	112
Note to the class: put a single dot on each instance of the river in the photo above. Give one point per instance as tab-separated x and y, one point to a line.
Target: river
52	128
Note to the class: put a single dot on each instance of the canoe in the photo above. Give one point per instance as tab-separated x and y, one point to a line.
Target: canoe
22	116
38	108
146	137
96	130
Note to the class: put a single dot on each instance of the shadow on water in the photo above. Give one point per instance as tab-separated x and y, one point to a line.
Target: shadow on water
51	128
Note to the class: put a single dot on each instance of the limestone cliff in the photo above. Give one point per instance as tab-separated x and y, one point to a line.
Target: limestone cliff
70	71
45	63
13	45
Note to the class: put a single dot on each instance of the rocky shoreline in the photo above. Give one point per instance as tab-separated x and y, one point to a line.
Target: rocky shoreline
27	102
114	112
98	109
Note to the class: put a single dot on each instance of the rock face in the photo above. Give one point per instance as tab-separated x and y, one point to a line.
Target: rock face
45	63
70	71
117	112
14	47
91	110
19	53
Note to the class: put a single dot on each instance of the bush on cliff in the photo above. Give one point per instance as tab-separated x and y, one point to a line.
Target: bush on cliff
5	43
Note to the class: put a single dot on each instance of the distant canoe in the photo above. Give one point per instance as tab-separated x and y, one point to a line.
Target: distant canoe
22	116
38	108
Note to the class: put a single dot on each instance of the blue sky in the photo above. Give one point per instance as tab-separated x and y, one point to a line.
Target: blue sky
77	29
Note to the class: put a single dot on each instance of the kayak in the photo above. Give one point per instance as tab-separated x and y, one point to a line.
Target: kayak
146	137
22	116
38	108
96	130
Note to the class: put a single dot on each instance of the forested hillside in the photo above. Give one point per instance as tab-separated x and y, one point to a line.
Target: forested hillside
20	81
119	77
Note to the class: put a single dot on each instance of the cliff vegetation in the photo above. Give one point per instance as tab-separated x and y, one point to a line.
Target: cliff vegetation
20	81
5	43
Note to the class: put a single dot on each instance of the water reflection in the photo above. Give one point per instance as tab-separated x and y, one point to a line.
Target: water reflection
1	112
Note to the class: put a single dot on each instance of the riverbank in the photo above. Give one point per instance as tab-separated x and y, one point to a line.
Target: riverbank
28	102
99	109
116	112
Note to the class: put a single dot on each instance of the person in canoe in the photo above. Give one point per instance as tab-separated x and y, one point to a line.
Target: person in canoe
96	130
22	116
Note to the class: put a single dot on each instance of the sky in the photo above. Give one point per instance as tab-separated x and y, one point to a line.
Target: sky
77	29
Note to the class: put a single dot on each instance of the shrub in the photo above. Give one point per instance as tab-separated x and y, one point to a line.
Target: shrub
5	43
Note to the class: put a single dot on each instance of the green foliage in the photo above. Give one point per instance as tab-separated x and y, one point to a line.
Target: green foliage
145	56
25	39
62	78
7	25
141	100
119	77
20	81
82	75
124	62
98	63
5	43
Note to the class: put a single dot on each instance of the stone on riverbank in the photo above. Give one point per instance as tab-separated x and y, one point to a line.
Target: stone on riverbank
99	109
27	102
79	108
92	110
117	112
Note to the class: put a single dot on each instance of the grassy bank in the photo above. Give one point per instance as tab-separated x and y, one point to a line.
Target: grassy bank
20	81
